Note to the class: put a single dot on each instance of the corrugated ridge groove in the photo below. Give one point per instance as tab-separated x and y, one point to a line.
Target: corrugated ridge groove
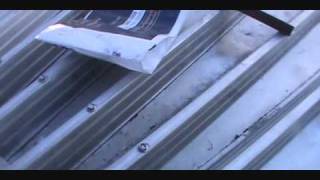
285	137
171	144
27	69
266	122
28	116
122	106
14	22
8	16
10	36
25	62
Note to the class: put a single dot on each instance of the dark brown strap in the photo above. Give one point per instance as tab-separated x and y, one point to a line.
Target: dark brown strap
269	20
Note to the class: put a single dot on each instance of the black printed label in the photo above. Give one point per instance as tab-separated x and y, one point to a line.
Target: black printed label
137	23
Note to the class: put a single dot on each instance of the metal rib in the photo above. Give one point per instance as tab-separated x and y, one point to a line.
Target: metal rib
58	151
24	115
27	59
268	121
177	132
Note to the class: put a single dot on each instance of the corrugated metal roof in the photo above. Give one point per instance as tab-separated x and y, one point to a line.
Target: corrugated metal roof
59	108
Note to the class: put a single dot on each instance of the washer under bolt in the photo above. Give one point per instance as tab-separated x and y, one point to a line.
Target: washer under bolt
143	147
91	107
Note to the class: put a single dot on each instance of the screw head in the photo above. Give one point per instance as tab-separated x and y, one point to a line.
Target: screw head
143	147
42	78
91	108
118	54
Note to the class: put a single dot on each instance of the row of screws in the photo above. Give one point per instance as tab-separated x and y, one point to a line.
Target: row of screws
143	147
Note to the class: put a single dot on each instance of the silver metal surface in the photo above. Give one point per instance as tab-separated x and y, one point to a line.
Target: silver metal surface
178	131
86	130
265	146
23	58
264	124
33	108
59	108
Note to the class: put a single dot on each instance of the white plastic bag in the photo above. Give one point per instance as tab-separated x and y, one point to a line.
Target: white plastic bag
135	39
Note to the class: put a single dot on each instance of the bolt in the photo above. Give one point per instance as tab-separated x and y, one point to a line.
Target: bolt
91	107
42	78
118	54
143	147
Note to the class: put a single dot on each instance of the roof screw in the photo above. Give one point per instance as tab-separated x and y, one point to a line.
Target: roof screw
143	147
42	78
118	54
91	108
